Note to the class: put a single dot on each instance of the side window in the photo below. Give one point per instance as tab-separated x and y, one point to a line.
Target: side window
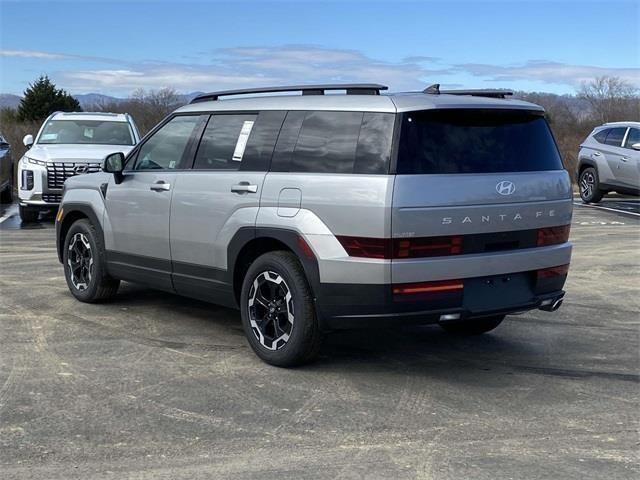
374	143
327	142
287	141
165	148
224	142
633	137
615	136
262	141
601	136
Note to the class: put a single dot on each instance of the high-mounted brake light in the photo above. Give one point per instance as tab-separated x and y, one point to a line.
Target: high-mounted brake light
553	235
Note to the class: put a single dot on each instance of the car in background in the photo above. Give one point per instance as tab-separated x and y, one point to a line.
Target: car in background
609	160
6	172
68	144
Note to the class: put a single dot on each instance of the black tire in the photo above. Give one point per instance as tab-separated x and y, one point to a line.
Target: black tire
304	335
589	185
473	326
28	214
98	285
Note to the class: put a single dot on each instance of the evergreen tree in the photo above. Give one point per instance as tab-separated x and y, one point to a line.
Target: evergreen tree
42	98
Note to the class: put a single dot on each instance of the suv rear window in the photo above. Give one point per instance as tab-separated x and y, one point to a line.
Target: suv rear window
476	141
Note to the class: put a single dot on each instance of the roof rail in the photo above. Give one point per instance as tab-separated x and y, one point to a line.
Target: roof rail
351	88
491	93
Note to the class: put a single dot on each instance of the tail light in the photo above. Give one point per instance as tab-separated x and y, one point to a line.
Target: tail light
551	272
401	247
427	247
553	235
366	247
426	290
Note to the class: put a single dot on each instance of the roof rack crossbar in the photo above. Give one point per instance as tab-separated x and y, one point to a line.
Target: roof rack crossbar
491	93
351	89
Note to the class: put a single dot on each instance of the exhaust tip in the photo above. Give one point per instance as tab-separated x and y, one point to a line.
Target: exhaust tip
551	304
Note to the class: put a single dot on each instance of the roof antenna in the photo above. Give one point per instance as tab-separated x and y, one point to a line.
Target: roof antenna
432	89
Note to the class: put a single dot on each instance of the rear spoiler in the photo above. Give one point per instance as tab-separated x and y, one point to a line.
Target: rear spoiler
490	93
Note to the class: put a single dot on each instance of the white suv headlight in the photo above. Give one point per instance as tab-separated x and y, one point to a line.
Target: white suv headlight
37	162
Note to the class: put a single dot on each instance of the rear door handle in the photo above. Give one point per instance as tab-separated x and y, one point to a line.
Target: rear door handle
160	186
244	187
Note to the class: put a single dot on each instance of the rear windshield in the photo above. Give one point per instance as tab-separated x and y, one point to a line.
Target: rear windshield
476	141
87	131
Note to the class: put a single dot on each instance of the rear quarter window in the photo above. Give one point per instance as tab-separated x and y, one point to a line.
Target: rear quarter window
334	142
475	141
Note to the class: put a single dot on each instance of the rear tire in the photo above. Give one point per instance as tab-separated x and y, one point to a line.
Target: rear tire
278	311
28	214
589	185
84	264
473	326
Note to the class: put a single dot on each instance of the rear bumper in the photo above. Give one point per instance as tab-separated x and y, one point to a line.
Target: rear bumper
342	306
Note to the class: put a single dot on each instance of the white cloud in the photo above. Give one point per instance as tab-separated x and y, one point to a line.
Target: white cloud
32	54
549	72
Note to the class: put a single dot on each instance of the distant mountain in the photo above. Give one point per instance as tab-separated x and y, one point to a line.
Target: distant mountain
88	100
8	100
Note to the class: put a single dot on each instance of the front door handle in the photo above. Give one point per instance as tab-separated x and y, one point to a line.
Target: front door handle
596	154
624	158
160	186
244	187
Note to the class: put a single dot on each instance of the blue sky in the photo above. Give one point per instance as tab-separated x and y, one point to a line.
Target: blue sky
116	47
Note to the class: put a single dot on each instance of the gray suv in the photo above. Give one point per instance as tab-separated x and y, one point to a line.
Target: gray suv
317	212
609	160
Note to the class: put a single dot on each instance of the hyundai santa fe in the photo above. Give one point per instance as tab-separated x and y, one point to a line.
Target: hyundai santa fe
317	212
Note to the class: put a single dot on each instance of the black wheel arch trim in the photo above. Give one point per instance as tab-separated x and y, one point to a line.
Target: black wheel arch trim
62	226
290	238
583	163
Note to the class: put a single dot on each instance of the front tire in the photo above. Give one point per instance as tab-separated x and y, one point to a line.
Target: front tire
589	185
28	214
473	326
278	313
85	265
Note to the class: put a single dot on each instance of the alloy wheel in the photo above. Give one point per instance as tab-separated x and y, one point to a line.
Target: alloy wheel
587	184
271	314
80	261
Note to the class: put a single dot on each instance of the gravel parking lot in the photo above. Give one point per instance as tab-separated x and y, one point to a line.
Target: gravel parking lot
155	386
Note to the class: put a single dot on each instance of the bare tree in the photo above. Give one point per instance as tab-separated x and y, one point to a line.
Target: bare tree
611	99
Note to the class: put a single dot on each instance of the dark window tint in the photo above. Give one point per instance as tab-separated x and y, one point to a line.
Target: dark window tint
476	141
601	136
633	137
287	141
374	143
262	141
327	142
224	142
615	136
165	148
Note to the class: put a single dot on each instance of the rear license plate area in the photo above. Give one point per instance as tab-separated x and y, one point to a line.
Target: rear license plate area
498	291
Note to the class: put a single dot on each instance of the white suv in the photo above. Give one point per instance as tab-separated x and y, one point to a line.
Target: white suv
68	144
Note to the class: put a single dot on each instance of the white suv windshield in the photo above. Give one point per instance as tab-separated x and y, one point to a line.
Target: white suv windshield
96	132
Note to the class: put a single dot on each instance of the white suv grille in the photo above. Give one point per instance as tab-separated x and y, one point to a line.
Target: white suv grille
58	172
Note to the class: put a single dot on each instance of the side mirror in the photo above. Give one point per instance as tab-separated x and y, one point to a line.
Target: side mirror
28	140
636	146
114	163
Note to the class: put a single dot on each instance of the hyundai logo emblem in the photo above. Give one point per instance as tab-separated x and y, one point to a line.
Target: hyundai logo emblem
505	187
81	169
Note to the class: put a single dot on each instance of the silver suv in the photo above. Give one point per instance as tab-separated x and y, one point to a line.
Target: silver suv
68	144
316	212
609	160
